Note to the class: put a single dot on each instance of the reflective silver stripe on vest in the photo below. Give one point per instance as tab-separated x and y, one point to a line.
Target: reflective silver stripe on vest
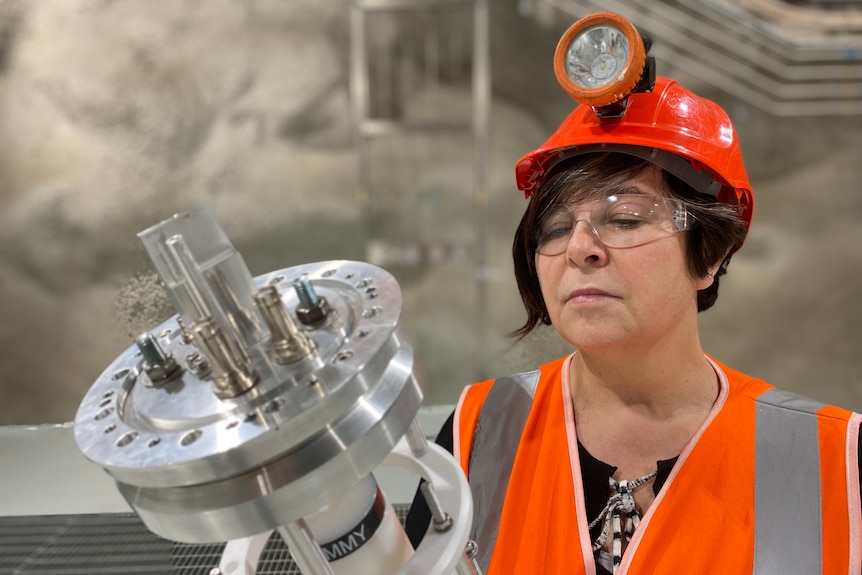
495	443
787	521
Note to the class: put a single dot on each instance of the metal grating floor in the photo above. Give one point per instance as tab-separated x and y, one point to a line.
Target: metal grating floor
117	544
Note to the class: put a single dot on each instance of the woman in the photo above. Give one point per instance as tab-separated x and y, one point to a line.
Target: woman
638	453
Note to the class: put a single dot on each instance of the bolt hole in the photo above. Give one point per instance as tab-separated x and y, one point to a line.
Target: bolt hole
350	275
276	280
127	438
154	441
250	416
108	393
232	424
104	413
372	294
363	333
111	427
313	381
328	273
344	355
106	402
273	405
191	437
120	374
371	312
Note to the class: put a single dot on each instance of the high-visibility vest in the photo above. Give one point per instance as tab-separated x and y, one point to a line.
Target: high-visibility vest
769	484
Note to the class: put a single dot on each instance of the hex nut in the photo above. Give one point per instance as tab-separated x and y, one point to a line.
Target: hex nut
163	373
315	315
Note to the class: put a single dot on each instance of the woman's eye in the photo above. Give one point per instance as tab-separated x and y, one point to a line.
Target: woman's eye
555	230
626	222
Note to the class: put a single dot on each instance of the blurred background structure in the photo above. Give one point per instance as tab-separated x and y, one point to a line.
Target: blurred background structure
115	114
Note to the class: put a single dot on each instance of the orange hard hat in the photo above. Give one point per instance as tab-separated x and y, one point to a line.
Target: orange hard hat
687	135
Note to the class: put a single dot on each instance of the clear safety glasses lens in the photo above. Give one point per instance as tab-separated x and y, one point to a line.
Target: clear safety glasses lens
618	221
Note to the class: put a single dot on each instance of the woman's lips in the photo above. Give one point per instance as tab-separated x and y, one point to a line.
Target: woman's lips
588	295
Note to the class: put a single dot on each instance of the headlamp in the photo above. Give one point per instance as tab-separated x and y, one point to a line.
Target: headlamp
600	60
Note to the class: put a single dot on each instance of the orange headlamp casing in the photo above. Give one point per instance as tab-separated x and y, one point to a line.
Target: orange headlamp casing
626	78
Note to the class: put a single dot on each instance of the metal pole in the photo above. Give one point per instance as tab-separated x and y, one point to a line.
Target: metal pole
359	94
481	105
467	566
304	549
416	439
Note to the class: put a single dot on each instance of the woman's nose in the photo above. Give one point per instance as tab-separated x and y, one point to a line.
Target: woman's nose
585	245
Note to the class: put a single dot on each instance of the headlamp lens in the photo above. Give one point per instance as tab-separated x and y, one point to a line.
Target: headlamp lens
596	55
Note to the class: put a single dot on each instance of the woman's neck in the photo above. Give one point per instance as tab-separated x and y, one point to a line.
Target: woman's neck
656	376
633	412
650	383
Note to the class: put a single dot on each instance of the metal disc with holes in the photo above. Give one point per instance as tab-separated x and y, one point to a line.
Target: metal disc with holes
198	468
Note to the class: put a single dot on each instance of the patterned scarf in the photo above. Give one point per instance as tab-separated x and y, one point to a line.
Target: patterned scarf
621	504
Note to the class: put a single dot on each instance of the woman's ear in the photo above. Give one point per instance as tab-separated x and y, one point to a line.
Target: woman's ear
706	281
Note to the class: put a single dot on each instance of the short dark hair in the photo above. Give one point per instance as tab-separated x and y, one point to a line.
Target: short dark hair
714	233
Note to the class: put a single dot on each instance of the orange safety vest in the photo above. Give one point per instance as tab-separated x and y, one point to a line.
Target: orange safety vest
769	484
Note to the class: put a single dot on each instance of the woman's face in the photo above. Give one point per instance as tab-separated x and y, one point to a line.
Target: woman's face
598	296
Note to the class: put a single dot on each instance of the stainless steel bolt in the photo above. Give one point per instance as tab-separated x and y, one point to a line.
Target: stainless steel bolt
198	364
305	291
312	310
151	351
441	520
159	366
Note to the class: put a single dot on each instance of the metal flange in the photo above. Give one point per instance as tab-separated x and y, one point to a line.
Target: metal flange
198	467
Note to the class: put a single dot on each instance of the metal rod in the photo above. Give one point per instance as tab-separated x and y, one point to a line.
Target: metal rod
470	553
467	566
416	439
232	372
289	344
195	284
440	520
304	549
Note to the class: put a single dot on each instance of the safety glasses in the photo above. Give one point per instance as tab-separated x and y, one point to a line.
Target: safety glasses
618	221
